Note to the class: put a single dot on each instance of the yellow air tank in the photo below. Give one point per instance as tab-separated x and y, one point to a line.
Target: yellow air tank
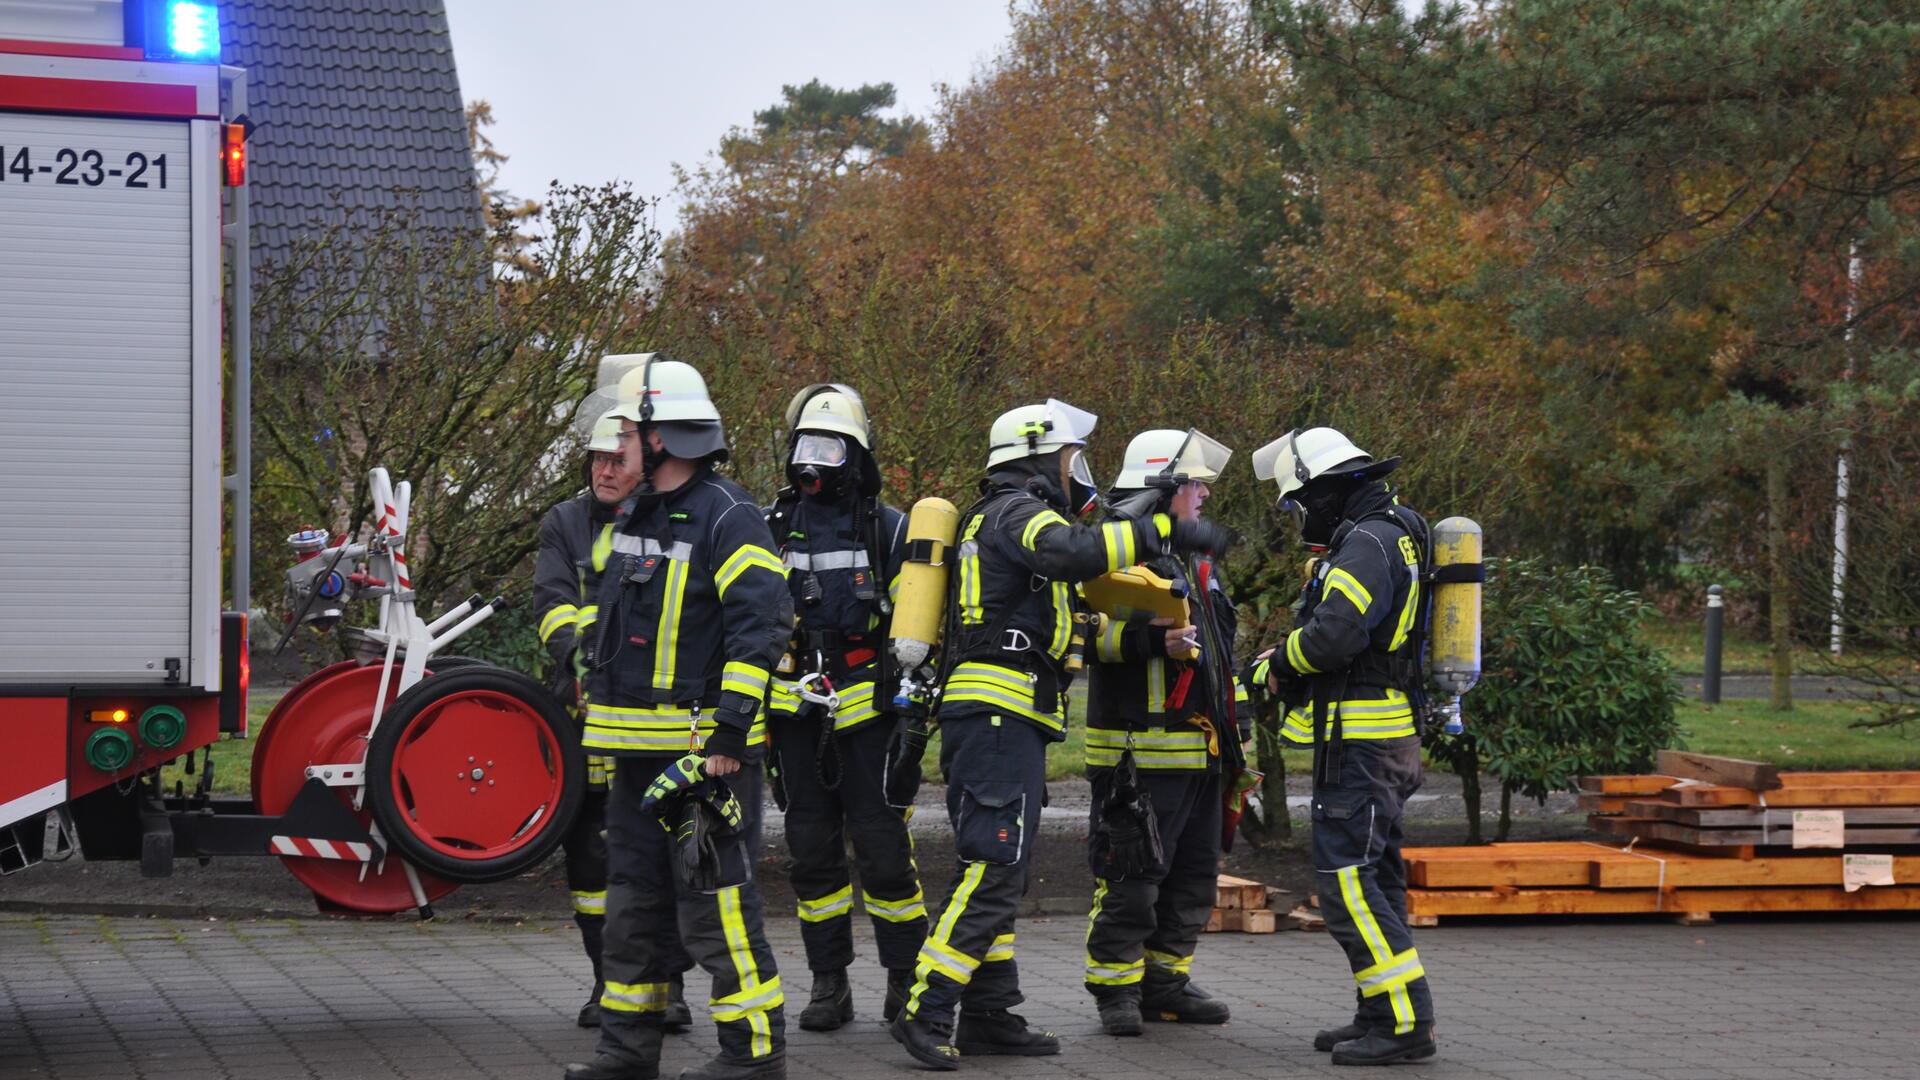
920	609
1453	644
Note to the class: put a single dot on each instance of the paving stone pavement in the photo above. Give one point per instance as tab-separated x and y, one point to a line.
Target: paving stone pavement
96	997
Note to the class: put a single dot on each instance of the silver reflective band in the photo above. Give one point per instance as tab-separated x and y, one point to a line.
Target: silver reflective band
625	544
828	560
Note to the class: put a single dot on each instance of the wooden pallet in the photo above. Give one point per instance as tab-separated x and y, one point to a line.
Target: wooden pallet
1240	905
1434	903
1601	865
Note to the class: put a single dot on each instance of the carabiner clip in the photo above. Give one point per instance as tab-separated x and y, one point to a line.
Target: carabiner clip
830	699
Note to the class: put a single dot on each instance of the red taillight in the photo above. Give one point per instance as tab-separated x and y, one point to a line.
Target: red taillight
233	153
236	660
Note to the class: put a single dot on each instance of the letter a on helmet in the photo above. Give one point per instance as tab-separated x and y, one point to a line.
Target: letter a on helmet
1298	457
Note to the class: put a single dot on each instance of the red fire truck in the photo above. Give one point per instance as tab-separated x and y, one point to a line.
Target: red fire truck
122	182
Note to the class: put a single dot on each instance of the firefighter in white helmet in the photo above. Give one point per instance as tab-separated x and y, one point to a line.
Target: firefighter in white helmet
831	710
1349	677
1164	727
576	539
693	614
1003	703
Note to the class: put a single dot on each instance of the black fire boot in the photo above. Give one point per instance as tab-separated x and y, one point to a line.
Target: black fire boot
1120	1012
590	1012
1181	1003
831	1004
772	1067
609	1067
1382	1048
899	987
678	1017
1326	1040
929	1041
1002	1032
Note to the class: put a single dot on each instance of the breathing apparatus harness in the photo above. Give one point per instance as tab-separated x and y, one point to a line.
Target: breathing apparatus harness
827	650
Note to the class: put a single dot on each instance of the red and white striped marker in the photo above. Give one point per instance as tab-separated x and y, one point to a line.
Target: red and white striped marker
322	849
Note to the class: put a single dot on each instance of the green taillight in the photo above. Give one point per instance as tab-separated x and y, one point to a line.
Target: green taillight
110	749
162	727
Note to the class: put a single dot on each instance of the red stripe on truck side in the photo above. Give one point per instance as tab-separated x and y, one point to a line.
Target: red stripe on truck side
21	47
98	96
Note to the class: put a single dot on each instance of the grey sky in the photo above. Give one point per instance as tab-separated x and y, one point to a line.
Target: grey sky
586	91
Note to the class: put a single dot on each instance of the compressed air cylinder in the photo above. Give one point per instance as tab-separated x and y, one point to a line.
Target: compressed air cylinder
1453	645
919	610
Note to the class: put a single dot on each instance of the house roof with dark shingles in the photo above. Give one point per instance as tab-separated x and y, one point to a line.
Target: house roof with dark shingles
358	109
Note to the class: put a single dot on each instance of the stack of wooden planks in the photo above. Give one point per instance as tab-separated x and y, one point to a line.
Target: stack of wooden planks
1704	835
1241	905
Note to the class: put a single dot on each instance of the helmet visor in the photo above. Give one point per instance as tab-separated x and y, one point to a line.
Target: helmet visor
826	451
1078	469
590	412
1200	458
1067	424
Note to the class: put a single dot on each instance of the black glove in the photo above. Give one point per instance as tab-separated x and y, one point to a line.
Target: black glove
726	741
1204	537
560	649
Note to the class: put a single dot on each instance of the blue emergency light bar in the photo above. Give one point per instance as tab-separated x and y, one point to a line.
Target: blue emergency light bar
182	31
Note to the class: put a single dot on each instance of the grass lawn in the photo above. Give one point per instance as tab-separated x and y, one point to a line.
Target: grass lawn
1815	735
1741	653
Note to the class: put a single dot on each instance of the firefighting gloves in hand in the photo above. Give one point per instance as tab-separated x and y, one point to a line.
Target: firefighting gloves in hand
677	779
707	853
1126	841
1201	537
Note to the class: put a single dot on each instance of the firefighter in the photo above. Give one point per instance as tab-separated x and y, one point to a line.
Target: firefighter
693	613
831	720
1010	627
1162	704
1349	677
576	537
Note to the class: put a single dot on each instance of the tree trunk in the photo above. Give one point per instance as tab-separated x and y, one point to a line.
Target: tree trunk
1470	793
1778	585
1506	814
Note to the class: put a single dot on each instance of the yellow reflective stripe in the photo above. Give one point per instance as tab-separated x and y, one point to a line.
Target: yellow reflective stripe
827	907
1155	748
1043	520
1355	899
1339	580
1163	525
650	730
603	548
945	959
1262	671
782	696
1005	688
1001	950
1240	695
740	951
969	548
590	902
599	768
1404	627
1106	757
1156	685
666	645
741	677
746	557
1297	658
1398	970
749	1003
1125	974
589	614
1170	962
1119	539
646	715
1107	646
856	706
1062	619
913	907
560	615
634	997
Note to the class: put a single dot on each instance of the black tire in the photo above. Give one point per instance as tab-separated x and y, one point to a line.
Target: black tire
397	825
440	665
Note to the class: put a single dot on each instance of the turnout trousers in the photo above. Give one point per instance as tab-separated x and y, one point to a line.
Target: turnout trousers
585	848
649	907
1363	882
1147	926
834	794
996	770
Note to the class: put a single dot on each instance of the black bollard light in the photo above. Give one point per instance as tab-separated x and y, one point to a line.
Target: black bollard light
1716	621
